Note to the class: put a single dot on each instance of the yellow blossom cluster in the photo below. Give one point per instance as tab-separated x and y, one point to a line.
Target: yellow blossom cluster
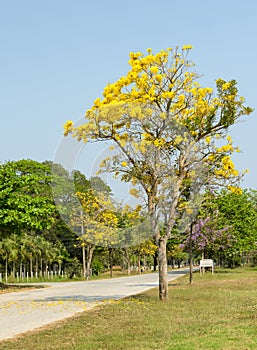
148	79
136	113
219	158
236	190
68	127
227	168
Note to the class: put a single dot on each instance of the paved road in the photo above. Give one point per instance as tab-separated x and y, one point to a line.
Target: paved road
24	311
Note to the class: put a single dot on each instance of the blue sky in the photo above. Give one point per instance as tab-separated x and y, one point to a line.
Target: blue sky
57	56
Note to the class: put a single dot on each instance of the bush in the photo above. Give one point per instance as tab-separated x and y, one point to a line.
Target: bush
97	267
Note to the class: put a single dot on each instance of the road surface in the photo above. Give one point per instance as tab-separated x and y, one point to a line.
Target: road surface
24	311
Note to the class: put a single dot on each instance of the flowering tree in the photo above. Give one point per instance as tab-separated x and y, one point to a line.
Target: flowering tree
206	238
163	125
94	225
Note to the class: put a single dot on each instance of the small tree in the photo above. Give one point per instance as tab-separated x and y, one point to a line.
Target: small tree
162	124
94	225
207	239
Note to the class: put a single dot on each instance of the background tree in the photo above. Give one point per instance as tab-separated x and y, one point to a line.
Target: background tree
94	224
163	125
25	203
208	239
100	186
240	213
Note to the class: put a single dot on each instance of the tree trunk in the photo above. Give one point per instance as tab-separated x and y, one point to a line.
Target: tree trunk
41	267
31	266
111	261
90	251
139	263
21	269
162	261
6	268
14	269
155	261
129	267
127	259
36	266
191	256
83	260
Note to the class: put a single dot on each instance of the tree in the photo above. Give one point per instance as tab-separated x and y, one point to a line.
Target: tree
162	125
226	226
9	251
240	213
208	239
100	186
94	224
25	203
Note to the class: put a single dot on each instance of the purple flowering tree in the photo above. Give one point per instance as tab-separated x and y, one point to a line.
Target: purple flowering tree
207	239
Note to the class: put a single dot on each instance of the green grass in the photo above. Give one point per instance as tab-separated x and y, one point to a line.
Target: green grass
216	312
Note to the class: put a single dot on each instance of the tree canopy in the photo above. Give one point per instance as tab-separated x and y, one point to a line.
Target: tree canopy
25	196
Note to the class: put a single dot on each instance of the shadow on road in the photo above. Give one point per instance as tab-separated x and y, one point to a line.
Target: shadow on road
80	298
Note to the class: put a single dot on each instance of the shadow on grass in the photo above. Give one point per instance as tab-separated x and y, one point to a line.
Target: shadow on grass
141	298
4	286
222	271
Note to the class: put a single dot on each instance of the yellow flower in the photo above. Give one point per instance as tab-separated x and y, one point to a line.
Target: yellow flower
158	77
67	127
178	139
229	139
187	47
208	139
97	102
134	192
154	69
124	164
236	190
225	86
211	158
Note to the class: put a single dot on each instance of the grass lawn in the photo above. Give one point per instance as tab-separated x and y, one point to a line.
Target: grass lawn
216	312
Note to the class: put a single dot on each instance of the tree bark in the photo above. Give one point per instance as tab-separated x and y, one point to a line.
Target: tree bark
191	256
162	261
36	266
126	257
155	261
139	263
6	268
111	261
31	266
83	260
90	251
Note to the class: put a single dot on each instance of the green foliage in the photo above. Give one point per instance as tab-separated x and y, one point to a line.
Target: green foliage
240	212
100	186
25	201
97	267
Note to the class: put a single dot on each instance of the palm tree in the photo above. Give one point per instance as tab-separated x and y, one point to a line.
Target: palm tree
8	251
